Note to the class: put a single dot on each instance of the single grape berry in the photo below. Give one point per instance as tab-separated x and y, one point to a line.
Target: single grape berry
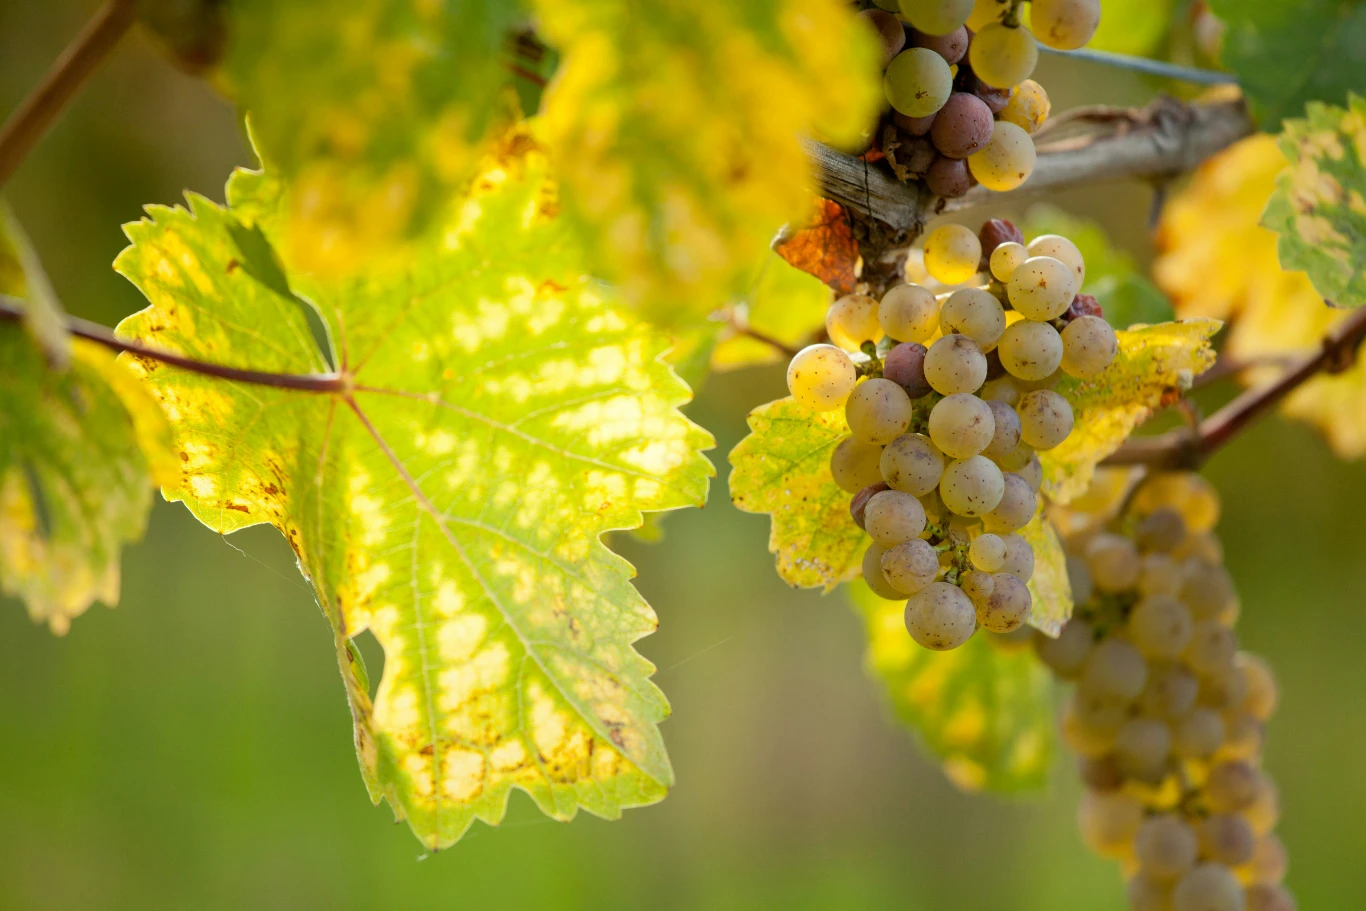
951	47
916	126
859	503
917	82
1065	24
1028	107
952	253
1006	161
1083	305
890	32
905	366
917	154
948	177
1003	56
962	126
997	231
995	98
909	313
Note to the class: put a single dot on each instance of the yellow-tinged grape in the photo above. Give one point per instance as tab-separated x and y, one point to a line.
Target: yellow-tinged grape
1115	668
1109	822
1030	350
1007	607
893	517
1243	738
1160	627
976	314
1114	562
1063	250
1226	839
1207	589
1161	575
878	411
1006	161
1083	738
952	254
1147	894
1269	861
1198	734
1211	648
1266	897
1089	346
1032	471
853	320
987	553
977	585
909	313
1189	494
1042	288
1141	747
1202	546
940	616
1019	557
1067	653
1231	786
1017	506
855	464
985	11
1006	258
1166	847
917	82
961	425
1208	887
873	575
972	486
1064	24
1265	810
912	463
955	363
936	17
1003	56
910	565
1045	419
1028	107
1006	437
1169	693
1261	696
821	377
1161	531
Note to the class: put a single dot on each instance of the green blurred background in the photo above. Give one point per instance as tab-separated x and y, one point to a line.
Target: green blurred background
192	749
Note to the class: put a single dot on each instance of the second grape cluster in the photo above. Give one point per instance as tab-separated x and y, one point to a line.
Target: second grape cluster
948	401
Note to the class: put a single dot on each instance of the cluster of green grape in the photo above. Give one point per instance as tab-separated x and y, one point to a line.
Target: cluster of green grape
1167	716
957	80
948	400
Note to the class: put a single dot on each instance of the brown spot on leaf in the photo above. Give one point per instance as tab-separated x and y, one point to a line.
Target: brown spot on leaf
825	248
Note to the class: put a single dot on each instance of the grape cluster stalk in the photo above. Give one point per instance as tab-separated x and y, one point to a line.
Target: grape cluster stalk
948	400
1167	716
956	78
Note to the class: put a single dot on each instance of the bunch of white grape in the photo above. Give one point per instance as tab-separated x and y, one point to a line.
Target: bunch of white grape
1167	716
957	80
948	401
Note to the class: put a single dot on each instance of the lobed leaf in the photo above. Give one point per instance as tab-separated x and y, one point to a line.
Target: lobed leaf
495	415
984	709
22	276
1153	366
783	468
824	247
1319	207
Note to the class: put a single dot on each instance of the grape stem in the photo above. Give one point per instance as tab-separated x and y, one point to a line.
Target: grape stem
12	310
82	57
1146	65
740	326
1188	449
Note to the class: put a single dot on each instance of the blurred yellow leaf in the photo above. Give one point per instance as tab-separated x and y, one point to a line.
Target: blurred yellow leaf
1049	586
784	304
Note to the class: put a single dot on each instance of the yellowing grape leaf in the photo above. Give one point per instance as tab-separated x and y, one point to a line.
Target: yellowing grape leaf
1049	586
494	415
783	468
1319	206
784	304
824	247
1216	259
1155	364
676	129
22	276
984	709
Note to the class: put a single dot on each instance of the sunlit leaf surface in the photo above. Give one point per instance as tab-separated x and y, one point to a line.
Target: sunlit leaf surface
1049	587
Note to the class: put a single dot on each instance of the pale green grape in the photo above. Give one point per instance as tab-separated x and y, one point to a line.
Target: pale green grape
1208	887
972	486
936	17
952	254
1166	847
976	314
1211	648
940	616
853	320
910	565
1041	288
987	552
1019	557
1066	654
873	575
855	464
1007	607
893	517
1160	627
821	377
1001	389
1016	507
917	82
878	411
1063	250
1030	350
912	463
1109	822
1007	434
1226	839
1002	56
1198	734
1141	746
1089	346
1006	258
1064	24
1115	669
1007	160
961	425
1045	418
1114	562
955	364
909	313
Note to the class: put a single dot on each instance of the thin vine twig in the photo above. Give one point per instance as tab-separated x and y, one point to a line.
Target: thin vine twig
741	327
81	58
1146	65
10	309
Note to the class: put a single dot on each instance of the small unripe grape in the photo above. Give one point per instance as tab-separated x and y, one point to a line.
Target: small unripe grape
972	486
893	517
1030	350
1160	627
1016	508
1109	822
948	177
1208	887
1006	436
878	411
1002	56
1006	161
955	364
1066	654
962	126
1269	861
952	254
859	503
1028	106
1063	250
976	314
1042	288
1211	648
1019	557
1089	346
951	46
853	320
1141	746
1265	810
1169	693
961	425
1007	608
891	35
912	463
1045	419
1166	847
1161	575
940	616
1115	668
917	82
936	17
1161	531
1266	897
1207	590
910	565
873	575
1226	839
1006	258
1064	24
987	553
1189	494
1231	787
821	377
854	464
909	313
1199	734
1114	562
1261	696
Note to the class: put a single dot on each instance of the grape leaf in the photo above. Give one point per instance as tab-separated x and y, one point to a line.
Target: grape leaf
494	416
1154	364
1289	52
824	247
1049	586
784	304
1216	259
676	127
783	468
1319	207
984	709
22	276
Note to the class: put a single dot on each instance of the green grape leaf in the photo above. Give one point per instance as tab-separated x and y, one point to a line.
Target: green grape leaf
784	304
1124	293
676	130
1049	586
78	450
22	276
1319	207
495	414
1287	53
783	468
1155	364
984	709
